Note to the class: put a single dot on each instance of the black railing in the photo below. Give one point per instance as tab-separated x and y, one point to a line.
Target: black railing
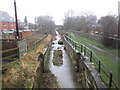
101	67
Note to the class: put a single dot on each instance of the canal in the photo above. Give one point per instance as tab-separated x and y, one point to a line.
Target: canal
64	73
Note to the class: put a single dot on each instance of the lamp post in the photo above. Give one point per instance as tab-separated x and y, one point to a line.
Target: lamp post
17	31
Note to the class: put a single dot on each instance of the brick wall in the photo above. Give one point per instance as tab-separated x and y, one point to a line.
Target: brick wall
7	25
26	34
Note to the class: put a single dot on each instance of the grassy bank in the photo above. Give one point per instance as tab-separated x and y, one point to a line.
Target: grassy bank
111	50
21	73
108	60
46	79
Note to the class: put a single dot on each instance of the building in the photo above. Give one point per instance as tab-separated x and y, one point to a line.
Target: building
7	26
119	8
7	23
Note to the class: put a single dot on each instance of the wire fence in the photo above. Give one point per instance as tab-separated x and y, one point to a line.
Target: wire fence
106	74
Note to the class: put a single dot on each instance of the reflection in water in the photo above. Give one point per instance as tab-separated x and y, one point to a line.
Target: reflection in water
63	73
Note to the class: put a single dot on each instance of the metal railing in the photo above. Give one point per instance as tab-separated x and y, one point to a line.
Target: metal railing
100	66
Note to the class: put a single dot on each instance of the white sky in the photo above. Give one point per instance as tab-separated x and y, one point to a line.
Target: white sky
57	8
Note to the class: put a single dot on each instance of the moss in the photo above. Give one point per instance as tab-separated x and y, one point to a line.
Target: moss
30	86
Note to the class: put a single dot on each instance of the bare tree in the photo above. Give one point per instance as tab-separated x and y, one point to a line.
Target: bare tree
109	24
69	20
25	21
21	25
45	23
82	22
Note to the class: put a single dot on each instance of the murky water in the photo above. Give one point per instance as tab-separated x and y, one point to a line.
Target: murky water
63	73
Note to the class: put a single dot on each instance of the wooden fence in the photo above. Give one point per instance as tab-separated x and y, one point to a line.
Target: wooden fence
101	67
21	50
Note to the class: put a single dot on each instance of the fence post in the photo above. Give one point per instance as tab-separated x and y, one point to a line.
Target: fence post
110	82
81	48
91	56
27	49
72	43
66	37
84	50
75	45
78	61
99	66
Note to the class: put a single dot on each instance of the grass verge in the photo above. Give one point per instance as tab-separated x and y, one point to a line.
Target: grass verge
111	50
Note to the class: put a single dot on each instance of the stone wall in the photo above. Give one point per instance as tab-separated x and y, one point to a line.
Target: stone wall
38	75
46	53
87	74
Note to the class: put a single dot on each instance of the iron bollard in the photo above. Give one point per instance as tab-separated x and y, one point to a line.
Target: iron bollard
75	45
99	66
81	48
84	50
91	56
110	82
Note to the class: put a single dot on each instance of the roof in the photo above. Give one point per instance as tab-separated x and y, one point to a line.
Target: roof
4	16
27	30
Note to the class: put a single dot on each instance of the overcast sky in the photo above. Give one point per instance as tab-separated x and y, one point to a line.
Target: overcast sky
57	8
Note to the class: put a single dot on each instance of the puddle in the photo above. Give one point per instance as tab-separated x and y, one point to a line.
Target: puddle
64	73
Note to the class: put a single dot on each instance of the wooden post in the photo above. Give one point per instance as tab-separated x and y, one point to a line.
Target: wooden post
16	19
27	49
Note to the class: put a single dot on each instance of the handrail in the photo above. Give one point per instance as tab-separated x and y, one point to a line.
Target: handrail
93	57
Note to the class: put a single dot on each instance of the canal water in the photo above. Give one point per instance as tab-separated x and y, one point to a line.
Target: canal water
64	73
